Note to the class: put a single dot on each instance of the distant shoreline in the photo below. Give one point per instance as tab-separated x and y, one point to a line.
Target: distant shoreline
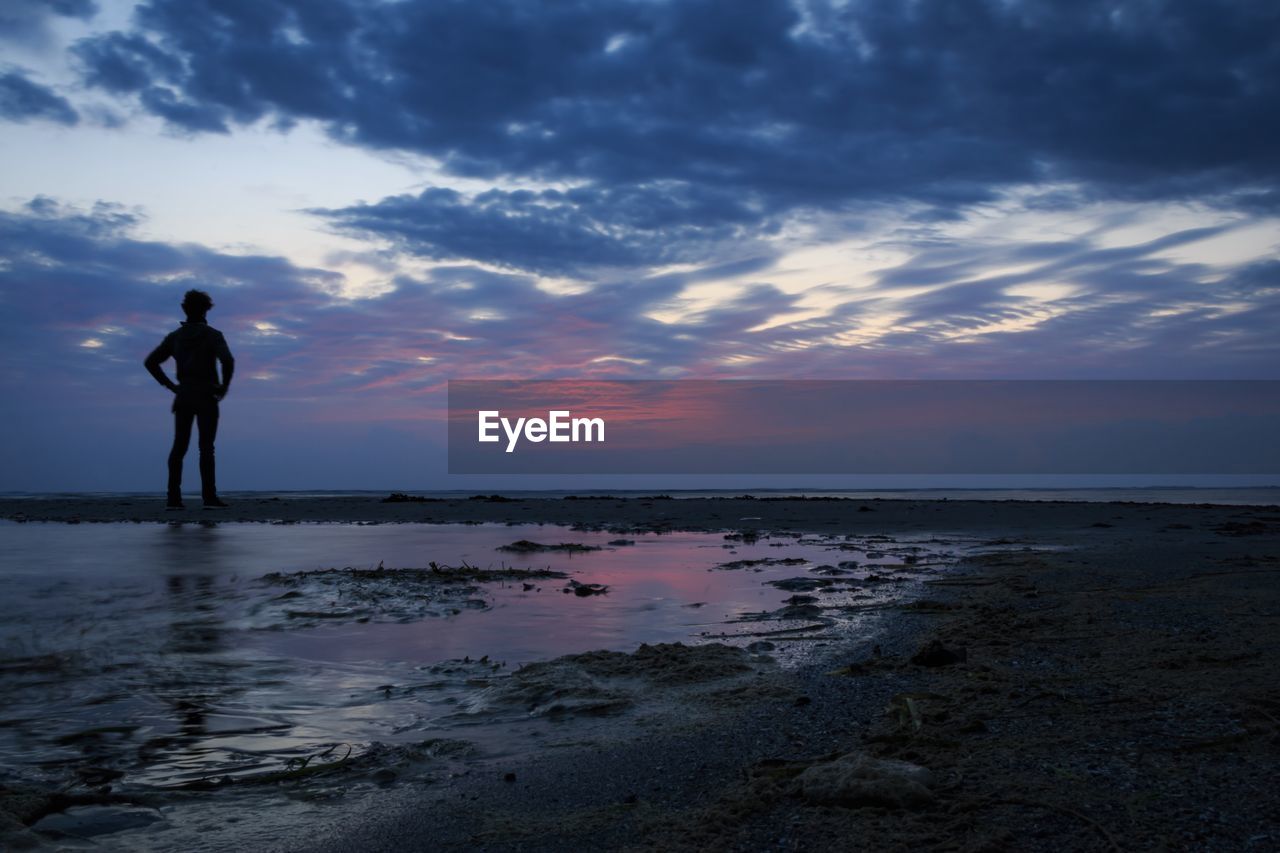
642	513
458	505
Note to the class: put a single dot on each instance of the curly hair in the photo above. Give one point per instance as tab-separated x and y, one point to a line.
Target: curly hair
196	302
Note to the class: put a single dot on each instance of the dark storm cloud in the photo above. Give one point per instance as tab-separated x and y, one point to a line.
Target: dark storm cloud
23	100
745	111
559	232
119	62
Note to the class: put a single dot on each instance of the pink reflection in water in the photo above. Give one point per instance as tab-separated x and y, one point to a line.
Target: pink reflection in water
157	630
664	588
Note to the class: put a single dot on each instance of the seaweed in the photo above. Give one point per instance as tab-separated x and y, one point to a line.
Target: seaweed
524	546
733	565
433	573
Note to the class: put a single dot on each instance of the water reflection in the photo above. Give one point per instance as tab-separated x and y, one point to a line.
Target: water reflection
195	627
191	549
161	653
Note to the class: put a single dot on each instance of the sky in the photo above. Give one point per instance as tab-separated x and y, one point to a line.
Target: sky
383	196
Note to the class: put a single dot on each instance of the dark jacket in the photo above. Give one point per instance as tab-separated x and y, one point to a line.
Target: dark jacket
197	348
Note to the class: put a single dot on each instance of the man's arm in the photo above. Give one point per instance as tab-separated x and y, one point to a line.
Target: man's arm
157	357
228	363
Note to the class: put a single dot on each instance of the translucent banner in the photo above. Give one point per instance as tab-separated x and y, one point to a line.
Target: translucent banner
864	427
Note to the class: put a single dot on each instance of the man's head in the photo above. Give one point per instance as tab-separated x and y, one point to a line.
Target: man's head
196	304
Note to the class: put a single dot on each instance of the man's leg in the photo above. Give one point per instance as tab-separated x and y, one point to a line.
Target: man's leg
207	421
182	417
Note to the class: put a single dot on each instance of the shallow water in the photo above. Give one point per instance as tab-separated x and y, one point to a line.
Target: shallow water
155	656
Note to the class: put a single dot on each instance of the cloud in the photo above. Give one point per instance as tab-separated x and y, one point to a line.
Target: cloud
1072	308
559	233
23	100
70	275
28	21
734	120
1079	307
86	295
119	62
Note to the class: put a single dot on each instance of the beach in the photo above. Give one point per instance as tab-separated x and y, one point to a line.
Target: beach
528	425
1082	676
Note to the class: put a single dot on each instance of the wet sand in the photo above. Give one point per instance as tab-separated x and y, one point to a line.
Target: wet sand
657	512
1112	687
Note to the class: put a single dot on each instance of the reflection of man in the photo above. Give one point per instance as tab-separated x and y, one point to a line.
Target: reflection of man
197	348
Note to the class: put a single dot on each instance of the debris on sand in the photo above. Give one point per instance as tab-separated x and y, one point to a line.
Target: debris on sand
604	682
801	584
665	663
524	546
933	653
434	573
403	498
584	589
555	689
381	594
860	780
762	561
874	578
798	611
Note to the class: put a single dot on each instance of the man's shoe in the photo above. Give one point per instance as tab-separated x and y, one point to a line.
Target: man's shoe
215	503
174	504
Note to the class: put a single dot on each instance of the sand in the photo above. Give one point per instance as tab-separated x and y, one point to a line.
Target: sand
1113	686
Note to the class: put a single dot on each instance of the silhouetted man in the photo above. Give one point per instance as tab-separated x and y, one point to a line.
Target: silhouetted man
197	348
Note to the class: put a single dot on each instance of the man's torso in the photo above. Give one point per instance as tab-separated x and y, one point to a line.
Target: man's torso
196	349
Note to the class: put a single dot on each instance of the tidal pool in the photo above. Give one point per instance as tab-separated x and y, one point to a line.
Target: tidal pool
155	657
